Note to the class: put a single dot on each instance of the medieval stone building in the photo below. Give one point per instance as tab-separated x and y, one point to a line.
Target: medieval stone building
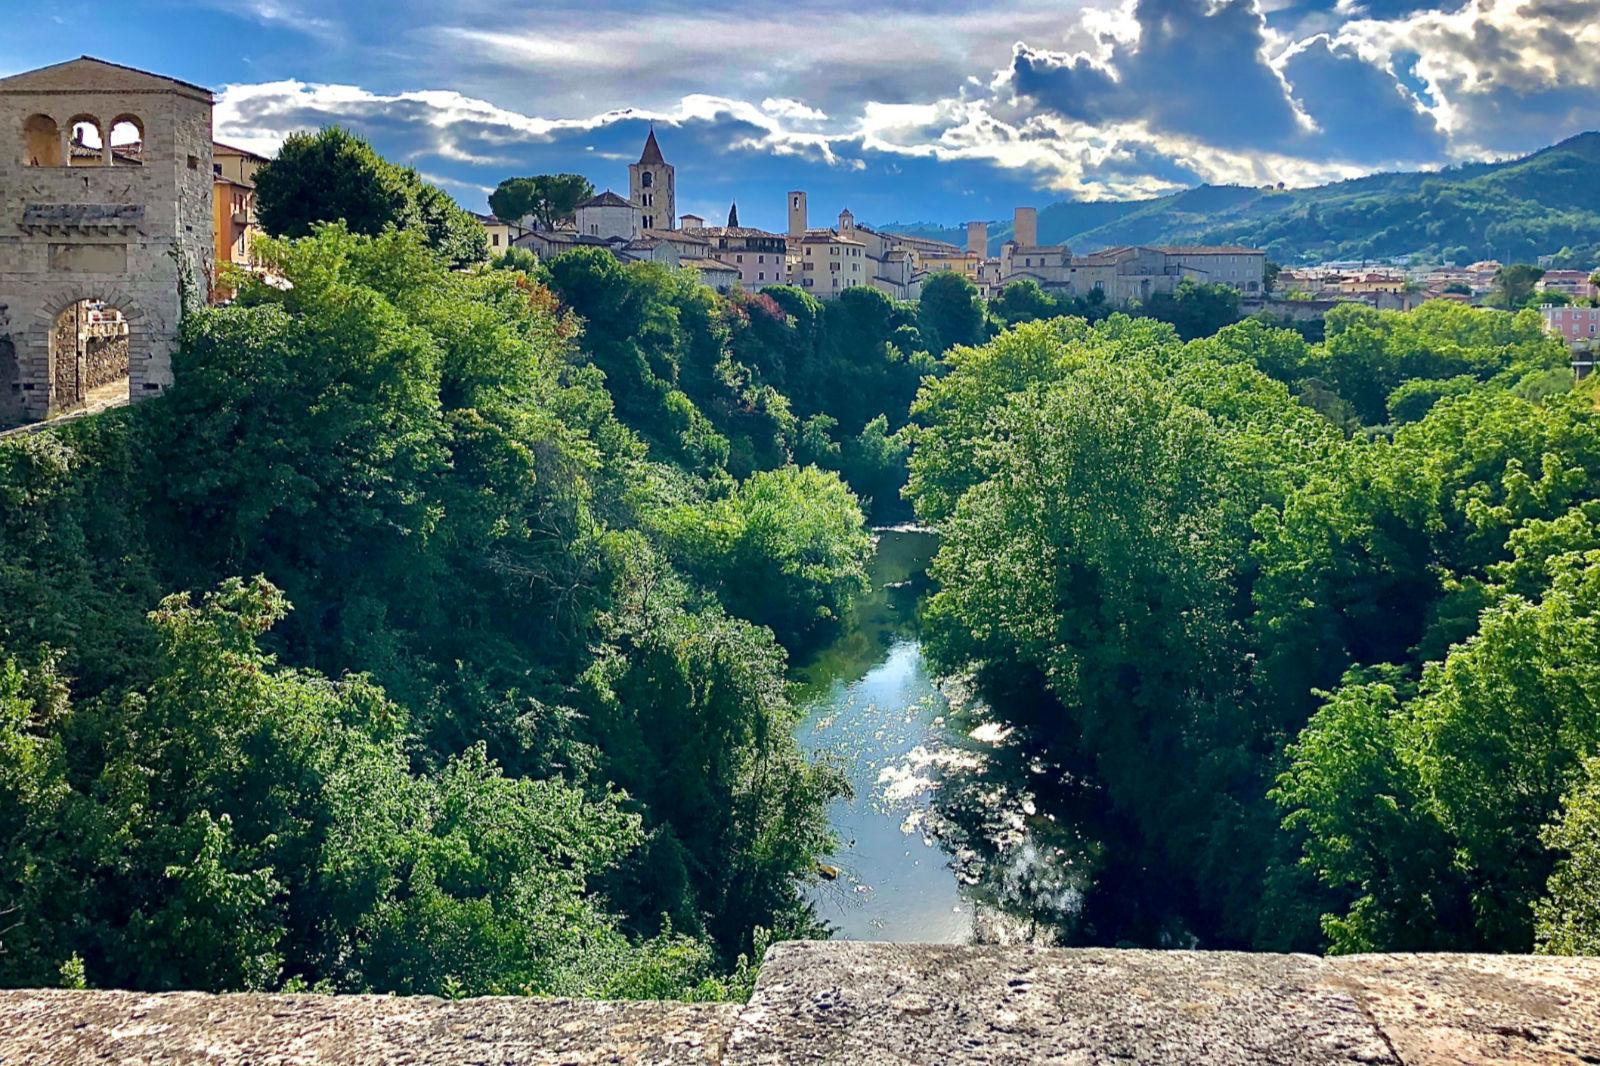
105	216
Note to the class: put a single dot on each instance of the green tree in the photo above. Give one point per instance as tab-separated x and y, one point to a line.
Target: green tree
1513	284
547	199
333	176
950	312
787	549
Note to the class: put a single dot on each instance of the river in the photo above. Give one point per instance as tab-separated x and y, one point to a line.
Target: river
943	840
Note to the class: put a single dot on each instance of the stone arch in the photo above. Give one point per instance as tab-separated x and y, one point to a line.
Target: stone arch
126	139
73	152
41	142
63	389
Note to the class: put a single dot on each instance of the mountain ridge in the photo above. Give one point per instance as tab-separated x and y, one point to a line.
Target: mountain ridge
1513	210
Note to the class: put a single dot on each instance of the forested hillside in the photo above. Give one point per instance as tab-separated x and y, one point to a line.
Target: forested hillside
1515	211
1324	680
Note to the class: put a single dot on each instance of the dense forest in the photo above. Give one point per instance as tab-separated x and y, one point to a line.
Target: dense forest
1515	211
1318	626
431	633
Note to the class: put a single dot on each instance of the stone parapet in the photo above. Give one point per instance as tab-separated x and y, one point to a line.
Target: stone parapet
854	1004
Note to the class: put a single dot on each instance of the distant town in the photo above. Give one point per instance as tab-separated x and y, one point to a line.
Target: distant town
643	226
828	261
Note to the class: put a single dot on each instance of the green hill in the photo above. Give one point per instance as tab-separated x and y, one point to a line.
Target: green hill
1541	204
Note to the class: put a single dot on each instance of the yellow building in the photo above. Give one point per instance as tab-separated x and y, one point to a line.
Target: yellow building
233	206
502	235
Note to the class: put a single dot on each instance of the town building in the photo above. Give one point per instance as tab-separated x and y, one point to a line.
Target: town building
1573	283
609	215
1579	328
98	235
501	234
760	257
233	206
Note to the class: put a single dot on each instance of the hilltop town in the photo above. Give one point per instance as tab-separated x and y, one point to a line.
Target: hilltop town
828	261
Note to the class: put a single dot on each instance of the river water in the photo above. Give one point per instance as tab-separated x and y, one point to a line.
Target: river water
943	840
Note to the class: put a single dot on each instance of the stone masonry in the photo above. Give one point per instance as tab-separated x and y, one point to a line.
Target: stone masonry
855	1004
88	218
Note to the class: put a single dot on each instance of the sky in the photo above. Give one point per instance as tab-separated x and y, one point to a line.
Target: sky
938	111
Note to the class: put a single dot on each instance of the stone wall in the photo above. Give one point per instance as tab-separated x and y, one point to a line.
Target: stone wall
854	1004
105	359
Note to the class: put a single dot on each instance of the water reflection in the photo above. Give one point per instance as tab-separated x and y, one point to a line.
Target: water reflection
948	836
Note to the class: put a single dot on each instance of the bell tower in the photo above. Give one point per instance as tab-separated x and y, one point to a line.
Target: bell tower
651	186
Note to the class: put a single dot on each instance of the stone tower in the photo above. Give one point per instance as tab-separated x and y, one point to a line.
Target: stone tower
105	215
1025	227
797	214
651	186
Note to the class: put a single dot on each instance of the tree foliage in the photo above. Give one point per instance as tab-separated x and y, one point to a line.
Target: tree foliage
1227	608
333	175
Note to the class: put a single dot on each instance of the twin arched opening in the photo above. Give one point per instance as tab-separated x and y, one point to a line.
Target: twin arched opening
83	141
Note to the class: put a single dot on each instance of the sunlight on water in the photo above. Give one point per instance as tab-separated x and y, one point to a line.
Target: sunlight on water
942	840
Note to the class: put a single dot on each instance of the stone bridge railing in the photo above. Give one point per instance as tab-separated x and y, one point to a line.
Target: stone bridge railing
886	1005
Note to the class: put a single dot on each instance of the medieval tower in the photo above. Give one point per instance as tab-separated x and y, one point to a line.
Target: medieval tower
651	186
105	192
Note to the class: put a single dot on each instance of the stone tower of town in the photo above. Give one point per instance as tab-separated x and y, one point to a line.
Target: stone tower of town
797	213
105	215
651	186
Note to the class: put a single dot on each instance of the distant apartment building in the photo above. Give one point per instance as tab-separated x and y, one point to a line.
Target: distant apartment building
1371	282
1578	326
1573	283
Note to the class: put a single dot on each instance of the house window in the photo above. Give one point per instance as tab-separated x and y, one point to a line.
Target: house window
738	259
494	239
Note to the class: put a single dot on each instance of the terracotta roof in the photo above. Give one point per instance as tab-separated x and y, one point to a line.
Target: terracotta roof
651	156
709	264
218	148
607	199
738	231
681	236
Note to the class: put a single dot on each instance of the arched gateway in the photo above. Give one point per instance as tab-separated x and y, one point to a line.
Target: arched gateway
105	215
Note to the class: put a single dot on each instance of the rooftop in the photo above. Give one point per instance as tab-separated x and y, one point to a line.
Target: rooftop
607	199
651	156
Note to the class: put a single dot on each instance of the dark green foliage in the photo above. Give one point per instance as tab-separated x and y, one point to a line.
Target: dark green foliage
1195	310
546	198
410	782
333	175
786	549
1225	611
950	312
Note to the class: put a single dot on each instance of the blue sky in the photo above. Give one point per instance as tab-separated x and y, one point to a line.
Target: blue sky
939	111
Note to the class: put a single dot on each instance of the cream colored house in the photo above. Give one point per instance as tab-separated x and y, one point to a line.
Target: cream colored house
502	235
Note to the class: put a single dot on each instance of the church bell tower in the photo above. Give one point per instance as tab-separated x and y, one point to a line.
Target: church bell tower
651	186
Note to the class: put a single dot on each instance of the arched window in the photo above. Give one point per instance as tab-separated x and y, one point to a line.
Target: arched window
87	145
127	141
41	142
647	179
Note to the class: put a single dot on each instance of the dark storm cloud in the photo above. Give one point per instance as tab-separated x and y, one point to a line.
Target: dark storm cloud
1363	114
1196	71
